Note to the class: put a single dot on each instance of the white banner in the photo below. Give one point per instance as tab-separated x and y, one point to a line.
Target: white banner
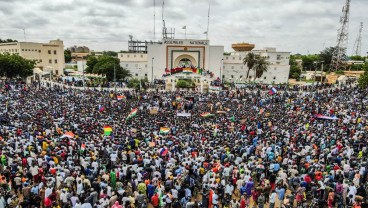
184	114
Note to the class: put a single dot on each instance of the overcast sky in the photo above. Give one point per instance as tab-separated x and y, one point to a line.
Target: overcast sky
298	26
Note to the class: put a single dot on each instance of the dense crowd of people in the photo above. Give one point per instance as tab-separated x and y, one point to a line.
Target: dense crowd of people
238	148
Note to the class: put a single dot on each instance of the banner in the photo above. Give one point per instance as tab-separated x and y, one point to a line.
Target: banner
184	114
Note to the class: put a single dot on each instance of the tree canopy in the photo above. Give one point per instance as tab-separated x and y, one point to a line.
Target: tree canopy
67	56
363	80
7	40
104	65
13	65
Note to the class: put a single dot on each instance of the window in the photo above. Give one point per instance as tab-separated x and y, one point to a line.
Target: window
121	55
127	65
55	61
145	75
54	52
274	78
128	56
264	77
145	65
232	76
241	67
136	65
250	77
134	56
136	75
232	67
223	76
22	49
142	56
39	51
50	61
49	52
233	57
57	72
241	76
227	58
240	58
40	61
278	57
224	67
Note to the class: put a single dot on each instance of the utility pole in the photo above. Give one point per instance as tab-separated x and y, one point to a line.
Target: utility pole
84	86
152	71
222	63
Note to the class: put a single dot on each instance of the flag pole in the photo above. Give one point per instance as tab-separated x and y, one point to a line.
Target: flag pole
185	32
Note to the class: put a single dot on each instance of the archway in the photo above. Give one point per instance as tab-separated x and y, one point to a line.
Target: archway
185	60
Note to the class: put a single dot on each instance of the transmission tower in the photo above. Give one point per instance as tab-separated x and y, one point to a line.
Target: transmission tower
358	42
342	40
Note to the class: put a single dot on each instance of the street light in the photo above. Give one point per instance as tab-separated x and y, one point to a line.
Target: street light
152	71
222	63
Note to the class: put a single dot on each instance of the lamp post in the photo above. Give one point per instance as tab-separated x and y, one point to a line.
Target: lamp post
222	63
152	71
84	86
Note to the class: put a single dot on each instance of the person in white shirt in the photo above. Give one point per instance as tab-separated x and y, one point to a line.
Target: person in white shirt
272	199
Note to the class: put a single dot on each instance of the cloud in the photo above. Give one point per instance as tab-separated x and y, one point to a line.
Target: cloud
299	26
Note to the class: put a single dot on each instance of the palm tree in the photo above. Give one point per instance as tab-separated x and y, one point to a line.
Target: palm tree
260	66
250	61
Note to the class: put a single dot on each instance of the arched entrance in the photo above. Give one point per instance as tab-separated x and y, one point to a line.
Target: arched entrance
185	61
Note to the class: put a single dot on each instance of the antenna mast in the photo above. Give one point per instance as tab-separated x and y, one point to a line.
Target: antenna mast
154	20
342	40
358	42
208	21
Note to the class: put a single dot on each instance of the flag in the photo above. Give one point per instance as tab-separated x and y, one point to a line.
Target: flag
184	27
101	108
120	97
178	98
272	91
232	118
199	71
164	130
187	70
68	134
107	130
215	130
205	32
320	116
164	151
132	113
206	114
261	111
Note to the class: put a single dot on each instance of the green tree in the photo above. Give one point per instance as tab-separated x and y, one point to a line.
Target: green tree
8	40
110	53
260	66
250	61
357	58
105	66
13	65
138	83
181	84
363	80
91	62
309	61
326	57
67	56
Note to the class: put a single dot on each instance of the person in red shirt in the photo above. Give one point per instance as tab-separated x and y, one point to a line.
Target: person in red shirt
243	203
48	202
155	200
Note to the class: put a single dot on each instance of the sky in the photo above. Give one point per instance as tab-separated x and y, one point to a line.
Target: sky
296	26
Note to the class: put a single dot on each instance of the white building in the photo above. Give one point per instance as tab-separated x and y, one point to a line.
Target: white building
155	59
49	57
234	69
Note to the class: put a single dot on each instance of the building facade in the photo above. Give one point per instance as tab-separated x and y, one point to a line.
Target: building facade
49	57
159	58
234	69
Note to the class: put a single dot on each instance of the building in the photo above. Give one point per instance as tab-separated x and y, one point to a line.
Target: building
49	57
157	60
234	69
